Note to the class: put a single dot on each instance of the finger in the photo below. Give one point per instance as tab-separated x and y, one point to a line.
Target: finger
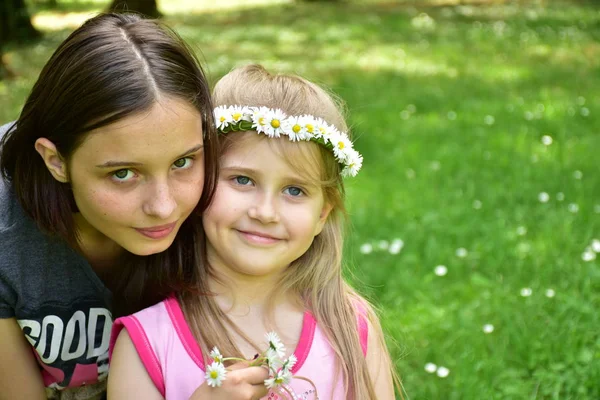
239	365
259	391
253	375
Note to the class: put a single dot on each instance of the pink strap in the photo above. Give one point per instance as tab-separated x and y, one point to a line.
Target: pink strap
183	331
306	339
142	346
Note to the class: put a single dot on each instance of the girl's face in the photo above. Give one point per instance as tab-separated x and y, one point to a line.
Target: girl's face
137	180
264	215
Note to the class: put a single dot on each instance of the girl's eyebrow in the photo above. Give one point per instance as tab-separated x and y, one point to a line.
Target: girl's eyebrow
249	171
113	164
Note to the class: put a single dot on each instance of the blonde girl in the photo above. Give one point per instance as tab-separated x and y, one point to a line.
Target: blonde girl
273	249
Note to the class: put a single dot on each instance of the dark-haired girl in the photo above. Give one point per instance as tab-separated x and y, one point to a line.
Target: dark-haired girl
104	174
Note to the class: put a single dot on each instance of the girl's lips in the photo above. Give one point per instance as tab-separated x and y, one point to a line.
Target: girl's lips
258	237
157	232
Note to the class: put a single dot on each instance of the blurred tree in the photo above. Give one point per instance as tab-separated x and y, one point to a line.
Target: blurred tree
146	7
15	23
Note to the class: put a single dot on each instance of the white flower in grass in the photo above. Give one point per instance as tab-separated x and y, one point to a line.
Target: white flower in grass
396	246
550	293
215	374
274	125
597	208
440	270
489	120
521	230
430	367
477	204
488	328
595	245
526	292
443	372
461	252
259	118
280	378
383	245
275	344
239	113
546	140
366	248
560	196
588	255
577	174
573	208
543	197
223	117
216	356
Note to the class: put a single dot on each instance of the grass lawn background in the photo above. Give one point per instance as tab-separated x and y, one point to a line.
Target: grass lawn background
480	131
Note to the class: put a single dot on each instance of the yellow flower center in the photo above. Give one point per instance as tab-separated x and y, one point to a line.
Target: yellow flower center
275	123
310	128
296	128
222	119
214	374
261	120
323	131
341	145
237	116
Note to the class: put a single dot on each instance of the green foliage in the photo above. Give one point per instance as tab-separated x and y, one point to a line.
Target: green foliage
451	107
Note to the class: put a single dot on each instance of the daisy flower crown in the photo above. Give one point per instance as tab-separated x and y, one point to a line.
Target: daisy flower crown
275	123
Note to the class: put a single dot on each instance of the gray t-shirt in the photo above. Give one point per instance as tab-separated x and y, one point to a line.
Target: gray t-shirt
61	305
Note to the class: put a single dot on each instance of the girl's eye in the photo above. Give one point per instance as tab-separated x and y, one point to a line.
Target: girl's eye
294	191
242	180
123	175
183	163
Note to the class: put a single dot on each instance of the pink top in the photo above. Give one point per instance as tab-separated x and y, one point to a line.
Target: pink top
175	364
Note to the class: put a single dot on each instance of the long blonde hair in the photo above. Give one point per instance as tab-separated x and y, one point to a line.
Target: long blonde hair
317	275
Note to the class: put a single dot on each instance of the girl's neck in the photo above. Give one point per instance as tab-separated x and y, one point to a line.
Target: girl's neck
101	252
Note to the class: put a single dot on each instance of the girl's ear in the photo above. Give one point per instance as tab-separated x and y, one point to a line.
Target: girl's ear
327	207
53	160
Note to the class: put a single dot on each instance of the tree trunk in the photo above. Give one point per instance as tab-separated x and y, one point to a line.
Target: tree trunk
15	23
146	7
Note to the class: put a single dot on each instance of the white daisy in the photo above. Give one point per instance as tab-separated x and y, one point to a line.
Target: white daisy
461	252
323	130
366	248
353	163
596	245
240	113
294	127
274	125
215	355
550	293
488	328
443	372
430	367
289	363
222	117
215	374
440	270
341	146
280	378
526	292
259	117
275	344
396	246
543	197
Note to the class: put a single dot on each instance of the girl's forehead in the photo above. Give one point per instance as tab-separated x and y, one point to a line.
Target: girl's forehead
303	157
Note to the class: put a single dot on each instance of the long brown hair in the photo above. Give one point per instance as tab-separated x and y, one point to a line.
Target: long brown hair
112	67
317	275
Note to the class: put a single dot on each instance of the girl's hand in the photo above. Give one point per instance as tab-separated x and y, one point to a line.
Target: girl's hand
242	383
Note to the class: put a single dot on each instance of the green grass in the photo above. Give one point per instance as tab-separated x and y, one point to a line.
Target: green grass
450	117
